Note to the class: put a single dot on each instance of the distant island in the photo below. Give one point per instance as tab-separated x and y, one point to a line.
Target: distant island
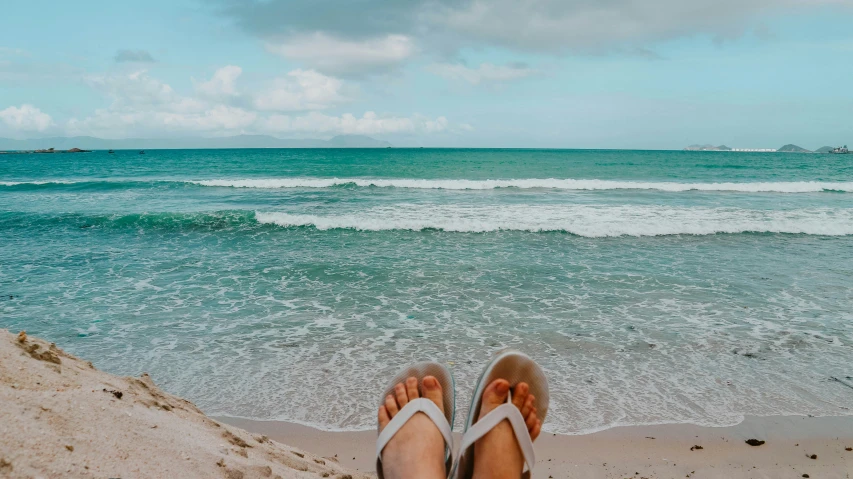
707	148
789	148
44	145
48	151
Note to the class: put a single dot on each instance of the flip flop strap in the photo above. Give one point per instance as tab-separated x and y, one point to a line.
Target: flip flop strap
488	422
413	407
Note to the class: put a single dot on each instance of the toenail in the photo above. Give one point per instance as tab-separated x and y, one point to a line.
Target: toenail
502	387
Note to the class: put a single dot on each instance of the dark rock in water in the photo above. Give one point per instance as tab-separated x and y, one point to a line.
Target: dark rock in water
754	442
696	448
813	456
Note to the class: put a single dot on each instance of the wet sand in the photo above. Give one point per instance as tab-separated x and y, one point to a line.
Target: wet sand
664	451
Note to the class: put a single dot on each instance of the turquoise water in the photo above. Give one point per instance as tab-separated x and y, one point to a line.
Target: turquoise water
653	287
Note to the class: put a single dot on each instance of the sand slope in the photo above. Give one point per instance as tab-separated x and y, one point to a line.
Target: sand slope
61	417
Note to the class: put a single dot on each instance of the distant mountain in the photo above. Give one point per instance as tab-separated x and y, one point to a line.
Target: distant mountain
824	149
240	141
789	148
707	148
356	141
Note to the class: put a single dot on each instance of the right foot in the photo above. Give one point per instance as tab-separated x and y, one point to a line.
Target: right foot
417	450
497	455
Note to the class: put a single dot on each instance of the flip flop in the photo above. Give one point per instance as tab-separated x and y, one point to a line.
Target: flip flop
442	421
515	367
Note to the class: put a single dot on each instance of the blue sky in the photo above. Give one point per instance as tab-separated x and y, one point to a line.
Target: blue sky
501	73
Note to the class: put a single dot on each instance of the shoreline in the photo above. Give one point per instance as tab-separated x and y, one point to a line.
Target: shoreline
61	417
666	450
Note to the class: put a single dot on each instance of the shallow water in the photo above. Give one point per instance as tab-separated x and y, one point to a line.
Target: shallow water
289	284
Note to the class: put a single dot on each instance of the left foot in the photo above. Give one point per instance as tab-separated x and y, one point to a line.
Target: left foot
497	455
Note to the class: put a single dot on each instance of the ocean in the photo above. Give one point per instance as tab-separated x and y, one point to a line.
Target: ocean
652	286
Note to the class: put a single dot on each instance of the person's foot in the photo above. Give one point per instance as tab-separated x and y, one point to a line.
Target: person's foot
417	450
497	454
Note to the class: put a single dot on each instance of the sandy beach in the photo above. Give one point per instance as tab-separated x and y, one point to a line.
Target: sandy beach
61	417
664	451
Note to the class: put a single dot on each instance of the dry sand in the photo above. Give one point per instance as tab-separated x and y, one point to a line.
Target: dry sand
60	417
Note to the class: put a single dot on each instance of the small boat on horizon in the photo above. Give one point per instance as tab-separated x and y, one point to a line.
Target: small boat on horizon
141	152
111	151
841	150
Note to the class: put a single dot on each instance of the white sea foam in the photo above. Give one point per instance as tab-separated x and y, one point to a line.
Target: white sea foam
530	183
527	183
582	220
46	182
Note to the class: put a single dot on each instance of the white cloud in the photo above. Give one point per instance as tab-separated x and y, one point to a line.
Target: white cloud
143	106
26	118
332	55
223	83
301	90
216	120
369	124
140	91
486	72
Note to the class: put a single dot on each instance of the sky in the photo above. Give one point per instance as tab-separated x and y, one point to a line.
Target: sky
651	74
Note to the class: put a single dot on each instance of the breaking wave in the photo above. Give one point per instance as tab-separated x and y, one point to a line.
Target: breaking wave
449	184
581	220
546	183
37	183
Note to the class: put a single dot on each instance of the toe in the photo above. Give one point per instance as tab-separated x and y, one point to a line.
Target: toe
401	395
534	433
531	420
433	392
528	405
391	405
494	395
384	417
412	388
519	395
